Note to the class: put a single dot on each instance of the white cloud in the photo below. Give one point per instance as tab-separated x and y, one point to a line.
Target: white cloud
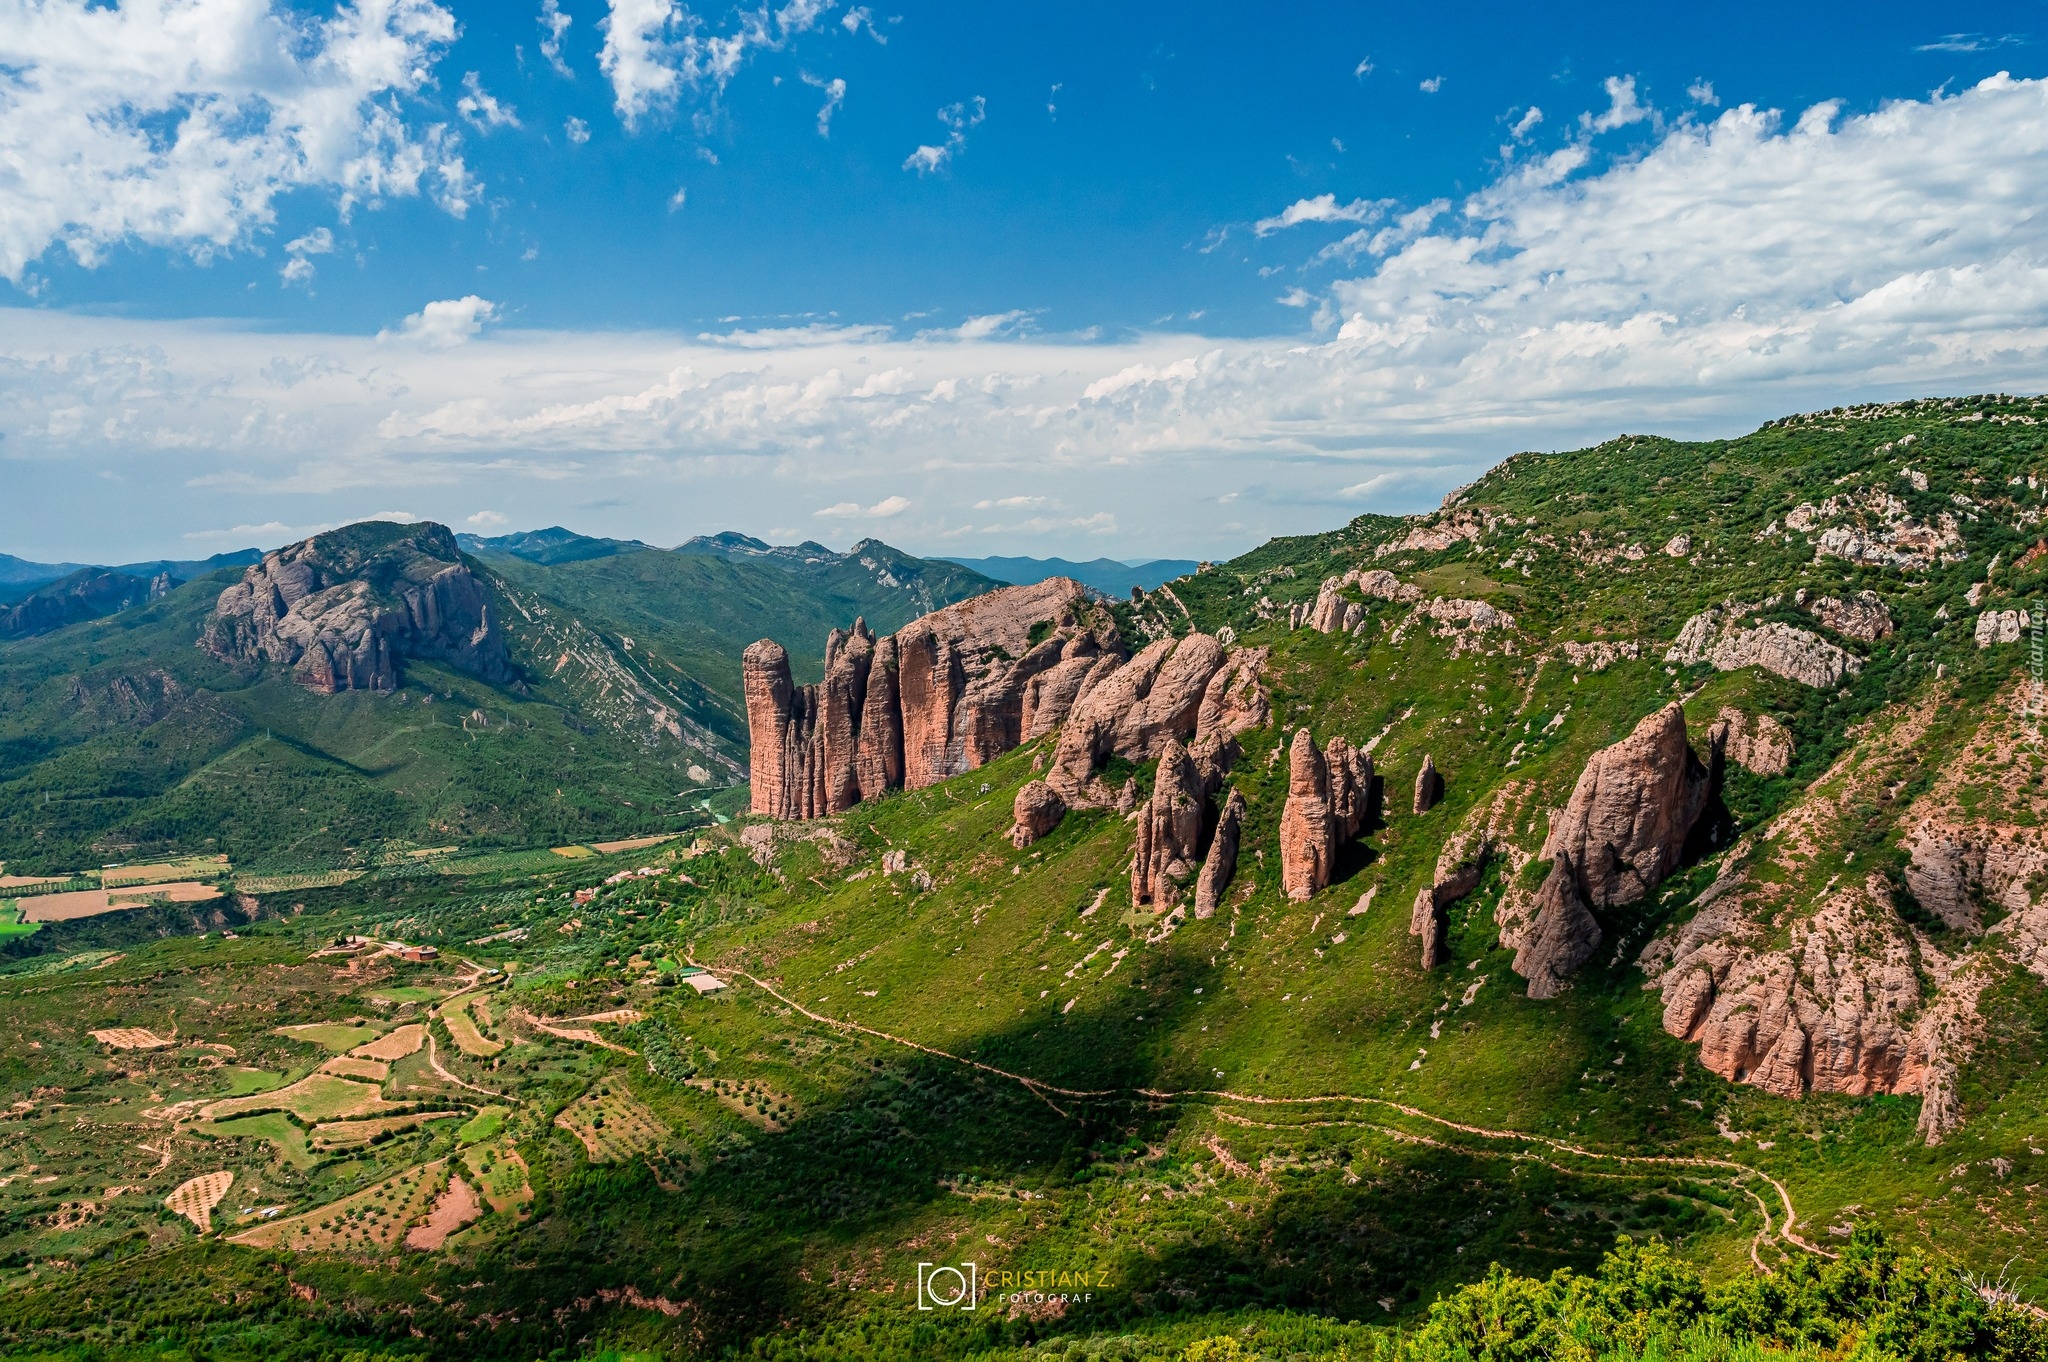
1526	124
299	269
958	119
678	199
983	327
178	123
1296	297
1971	42
576	130
487	520
1622	108
1052	110
1702	92
480	108
1010	503
835	95
1321	208
1363	69
1432	85
555	27
885	509
1725	272
654	50
444	324
859	17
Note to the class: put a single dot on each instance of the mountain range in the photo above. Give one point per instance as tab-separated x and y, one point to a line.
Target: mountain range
1106	575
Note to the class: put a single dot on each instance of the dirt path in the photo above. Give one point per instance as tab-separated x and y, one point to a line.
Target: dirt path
1786	1230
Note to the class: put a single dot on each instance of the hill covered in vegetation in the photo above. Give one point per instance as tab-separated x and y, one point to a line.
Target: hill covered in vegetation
1774	1090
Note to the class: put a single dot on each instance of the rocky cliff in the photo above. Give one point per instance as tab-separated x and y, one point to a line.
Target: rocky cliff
1329	791
947	693
343	610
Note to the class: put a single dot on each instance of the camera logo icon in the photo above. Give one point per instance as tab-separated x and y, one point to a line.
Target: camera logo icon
947	1286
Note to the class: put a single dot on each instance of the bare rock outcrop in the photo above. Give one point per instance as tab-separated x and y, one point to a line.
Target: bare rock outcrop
1863	615
2002	626
342	610
1220	866
945	694
1795	983
1631	811
1329	791
1563	935
1429	785
1169	830
1757	743
1190	690
1037	811
1715	636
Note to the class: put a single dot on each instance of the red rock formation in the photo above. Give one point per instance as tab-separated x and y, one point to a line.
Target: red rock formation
1169	830
1037	811
1631	811
1459	868
1760	744
943	696
1429	786
1308	836
1221	864
1160	695
1563	935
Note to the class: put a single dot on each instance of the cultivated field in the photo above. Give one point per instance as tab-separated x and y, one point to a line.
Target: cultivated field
78	903
195	1198
375	1218
316	1097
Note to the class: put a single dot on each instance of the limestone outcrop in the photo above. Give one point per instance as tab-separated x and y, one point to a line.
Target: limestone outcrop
1328	796
342	610
1632	810
1220	867
1716	636
1037	811
1863	615
945	694
1757	743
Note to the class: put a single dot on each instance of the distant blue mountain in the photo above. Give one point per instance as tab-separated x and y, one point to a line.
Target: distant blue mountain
1106	575
549	546
20	578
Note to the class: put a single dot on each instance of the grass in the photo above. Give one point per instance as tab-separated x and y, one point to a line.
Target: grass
481	1127
273	1127
316	1097
333	1036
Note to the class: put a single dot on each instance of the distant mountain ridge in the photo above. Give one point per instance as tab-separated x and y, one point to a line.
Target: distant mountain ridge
1106	575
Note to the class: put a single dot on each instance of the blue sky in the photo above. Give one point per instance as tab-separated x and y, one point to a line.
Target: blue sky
1133	280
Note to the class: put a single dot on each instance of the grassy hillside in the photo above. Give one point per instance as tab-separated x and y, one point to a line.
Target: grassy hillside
1270	1133
119	738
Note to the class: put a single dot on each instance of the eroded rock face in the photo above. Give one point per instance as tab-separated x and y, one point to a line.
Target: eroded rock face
1756	743
1860	616
1169	830
1563	935
1329	793
1715	636
945	694
1429	786
1221	864
1189	690
1631	811
1037	811
342	610
1308	838
1798	973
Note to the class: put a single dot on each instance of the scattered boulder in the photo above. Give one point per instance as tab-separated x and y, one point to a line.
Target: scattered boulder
1679	546
1382	585
1714	636
1037	811
342	609
1429	786
1221	865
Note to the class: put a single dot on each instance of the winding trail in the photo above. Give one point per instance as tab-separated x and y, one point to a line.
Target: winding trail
1037	1087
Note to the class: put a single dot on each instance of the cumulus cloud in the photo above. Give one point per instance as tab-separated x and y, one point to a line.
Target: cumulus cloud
298	267
1432	85
178	123
1526	124
1321	208
958	118
1622	107
1725	272
576	130
554	27
655	50
444	324
487	520
859	17
480	108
